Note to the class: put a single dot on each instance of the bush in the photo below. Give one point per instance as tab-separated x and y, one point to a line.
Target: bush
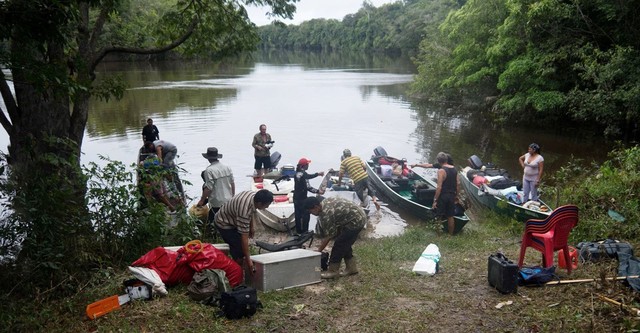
51	242
597	189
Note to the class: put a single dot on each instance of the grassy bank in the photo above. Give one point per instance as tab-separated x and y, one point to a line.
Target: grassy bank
385	297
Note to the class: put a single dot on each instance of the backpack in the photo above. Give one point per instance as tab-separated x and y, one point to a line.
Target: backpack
207	286
604	249
240	302
536	275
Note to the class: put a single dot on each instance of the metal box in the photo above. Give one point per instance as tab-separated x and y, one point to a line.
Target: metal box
285	269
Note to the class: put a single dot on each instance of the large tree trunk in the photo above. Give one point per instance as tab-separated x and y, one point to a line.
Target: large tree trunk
48	185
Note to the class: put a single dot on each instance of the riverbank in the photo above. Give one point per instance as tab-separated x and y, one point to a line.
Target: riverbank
385	297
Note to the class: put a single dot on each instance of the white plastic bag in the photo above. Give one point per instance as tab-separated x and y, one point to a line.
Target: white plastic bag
427	264
150	277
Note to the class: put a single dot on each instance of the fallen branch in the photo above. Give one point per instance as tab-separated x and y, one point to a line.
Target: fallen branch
630	309
617	278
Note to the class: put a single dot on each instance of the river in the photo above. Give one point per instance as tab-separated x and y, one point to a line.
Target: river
314	106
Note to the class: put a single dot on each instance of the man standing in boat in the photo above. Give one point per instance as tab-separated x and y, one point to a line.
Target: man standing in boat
150	132
354	167
219	186
447	191
235	223
262	144
300	190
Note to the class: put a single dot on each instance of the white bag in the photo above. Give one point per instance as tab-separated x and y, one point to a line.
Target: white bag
427	264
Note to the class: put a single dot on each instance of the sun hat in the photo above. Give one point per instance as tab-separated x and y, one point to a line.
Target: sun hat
212	152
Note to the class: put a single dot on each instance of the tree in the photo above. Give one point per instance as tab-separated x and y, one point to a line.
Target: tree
52	48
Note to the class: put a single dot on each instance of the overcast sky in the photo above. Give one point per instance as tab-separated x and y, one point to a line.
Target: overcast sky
310	9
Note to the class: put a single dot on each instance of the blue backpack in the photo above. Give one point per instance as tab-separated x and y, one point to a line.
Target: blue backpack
536	276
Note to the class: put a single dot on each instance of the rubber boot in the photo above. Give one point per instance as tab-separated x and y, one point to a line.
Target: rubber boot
332	272
352	267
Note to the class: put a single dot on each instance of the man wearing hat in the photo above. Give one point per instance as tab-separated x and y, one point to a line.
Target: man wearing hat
302	186
219	186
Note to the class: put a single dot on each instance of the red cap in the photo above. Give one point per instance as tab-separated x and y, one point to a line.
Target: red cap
304	161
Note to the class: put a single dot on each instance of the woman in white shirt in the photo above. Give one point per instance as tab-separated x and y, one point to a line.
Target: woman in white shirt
533	164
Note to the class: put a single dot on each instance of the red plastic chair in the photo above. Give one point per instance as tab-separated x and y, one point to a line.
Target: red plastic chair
550	235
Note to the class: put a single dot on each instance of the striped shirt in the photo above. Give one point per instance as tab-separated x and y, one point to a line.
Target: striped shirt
237	213
354	166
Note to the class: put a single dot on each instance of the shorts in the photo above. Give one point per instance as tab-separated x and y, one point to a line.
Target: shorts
262	162
446	205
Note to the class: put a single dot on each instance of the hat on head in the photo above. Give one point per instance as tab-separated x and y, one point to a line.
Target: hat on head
346	153
212	152
304	161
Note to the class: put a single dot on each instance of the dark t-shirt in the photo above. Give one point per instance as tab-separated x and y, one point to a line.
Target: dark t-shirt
150	133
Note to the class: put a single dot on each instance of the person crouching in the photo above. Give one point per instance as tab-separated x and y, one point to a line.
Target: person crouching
339	220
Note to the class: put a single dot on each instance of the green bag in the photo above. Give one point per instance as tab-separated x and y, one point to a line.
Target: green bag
207	285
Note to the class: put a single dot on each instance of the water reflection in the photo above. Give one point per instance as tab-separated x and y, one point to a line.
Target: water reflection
315	105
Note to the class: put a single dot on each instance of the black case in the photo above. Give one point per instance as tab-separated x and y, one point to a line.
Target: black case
503	274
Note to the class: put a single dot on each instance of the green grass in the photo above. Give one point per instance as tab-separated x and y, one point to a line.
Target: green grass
386	296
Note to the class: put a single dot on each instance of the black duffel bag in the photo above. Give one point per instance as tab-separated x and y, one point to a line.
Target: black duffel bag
240	302
604	249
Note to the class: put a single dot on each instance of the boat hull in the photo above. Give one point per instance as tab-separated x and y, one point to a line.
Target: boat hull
280	215
409	199
499	204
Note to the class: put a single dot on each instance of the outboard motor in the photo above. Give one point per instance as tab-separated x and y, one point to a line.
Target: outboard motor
475	162
275	159
379	151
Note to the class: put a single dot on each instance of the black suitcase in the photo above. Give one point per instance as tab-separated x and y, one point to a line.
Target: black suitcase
503	273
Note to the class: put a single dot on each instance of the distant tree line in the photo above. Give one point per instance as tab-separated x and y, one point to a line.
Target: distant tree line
533	62
395	28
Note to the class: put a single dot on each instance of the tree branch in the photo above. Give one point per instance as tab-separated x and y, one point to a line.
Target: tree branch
97	28
134	50
10	103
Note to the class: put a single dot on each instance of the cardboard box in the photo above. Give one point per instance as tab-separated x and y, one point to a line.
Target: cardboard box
285	269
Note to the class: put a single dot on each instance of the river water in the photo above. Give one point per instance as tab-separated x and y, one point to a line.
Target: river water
314	106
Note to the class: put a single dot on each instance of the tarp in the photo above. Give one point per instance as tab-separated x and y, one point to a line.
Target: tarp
629	265
175	267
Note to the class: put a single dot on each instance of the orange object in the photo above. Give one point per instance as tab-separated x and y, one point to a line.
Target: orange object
550	235
573	258
193	246
104	306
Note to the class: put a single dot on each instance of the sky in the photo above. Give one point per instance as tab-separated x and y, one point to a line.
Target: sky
310	9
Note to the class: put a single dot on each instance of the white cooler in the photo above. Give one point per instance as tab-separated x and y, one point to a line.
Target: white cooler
285	269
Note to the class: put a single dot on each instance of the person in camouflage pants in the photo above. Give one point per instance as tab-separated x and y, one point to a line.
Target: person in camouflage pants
339	220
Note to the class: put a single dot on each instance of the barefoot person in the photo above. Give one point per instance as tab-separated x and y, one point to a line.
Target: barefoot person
447	191
261	144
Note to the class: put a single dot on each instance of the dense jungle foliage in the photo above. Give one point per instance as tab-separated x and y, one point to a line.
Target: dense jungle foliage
539	61
62	225
534	62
